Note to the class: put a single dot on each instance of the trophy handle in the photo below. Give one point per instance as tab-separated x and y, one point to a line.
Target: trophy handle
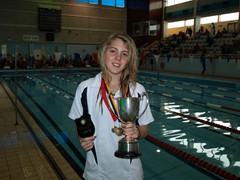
147	99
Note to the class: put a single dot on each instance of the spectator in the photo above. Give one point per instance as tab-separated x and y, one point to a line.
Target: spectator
189	31
213	30
209	41
203	60
224	31
201	30
196	48
224	48
234	34
206	32
219	34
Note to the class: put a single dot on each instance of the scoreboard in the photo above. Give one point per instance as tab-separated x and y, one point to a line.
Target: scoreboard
49	18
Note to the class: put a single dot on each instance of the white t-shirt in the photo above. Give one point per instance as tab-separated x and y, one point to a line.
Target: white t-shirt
109	167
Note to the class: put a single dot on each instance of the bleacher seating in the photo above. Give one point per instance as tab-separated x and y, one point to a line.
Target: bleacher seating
187	45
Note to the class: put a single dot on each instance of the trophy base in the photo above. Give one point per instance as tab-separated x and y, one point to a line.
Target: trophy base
128	149
127	155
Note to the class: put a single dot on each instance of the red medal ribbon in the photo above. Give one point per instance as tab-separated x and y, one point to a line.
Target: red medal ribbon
104	96
106	90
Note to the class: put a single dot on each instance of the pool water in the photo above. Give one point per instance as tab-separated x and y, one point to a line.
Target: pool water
196	132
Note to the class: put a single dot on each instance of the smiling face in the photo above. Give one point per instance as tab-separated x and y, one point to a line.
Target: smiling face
117	57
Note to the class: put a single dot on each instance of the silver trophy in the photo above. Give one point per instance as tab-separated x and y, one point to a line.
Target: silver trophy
128	110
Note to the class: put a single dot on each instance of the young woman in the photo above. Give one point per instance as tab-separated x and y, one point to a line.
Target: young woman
118	58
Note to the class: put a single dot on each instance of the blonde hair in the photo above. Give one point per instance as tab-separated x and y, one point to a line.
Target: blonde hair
130	72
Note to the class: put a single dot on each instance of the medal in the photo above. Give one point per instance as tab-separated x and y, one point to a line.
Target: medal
114	129
117	131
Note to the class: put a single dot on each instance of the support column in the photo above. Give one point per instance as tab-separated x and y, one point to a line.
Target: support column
164	23
196	24
196	18
238	16
164	29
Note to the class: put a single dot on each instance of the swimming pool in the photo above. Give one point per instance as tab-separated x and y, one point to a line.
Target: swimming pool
196	133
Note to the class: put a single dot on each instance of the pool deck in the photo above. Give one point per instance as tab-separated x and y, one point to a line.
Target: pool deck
21	157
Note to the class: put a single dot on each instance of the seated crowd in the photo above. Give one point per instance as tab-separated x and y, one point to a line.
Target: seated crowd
185	44
26	62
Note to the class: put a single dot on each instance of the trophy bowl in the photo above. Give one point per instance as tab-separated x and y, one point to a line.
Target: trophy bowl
128	111
128	108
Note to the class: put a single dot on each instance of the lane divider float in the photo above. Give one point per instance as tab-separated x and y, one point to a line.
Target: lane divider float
192	159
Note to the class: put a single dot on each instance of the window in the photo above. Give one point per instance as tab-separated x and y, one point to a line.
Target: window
153	28
175	24
108	2
114	3
82	1
209	19
170	2
174	2
120	3
189	22
228	17
93	1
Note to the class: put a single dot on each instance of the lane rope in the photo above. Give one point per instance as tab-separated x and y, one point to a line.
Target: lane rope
199	120
198	102
192	159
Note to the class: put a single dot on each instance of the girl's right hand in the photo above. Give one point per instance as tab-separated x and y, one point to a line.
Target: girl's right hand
87	143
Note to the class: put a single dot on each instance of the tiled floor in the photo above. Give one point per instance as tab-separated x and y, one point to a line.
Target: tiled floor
20	155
